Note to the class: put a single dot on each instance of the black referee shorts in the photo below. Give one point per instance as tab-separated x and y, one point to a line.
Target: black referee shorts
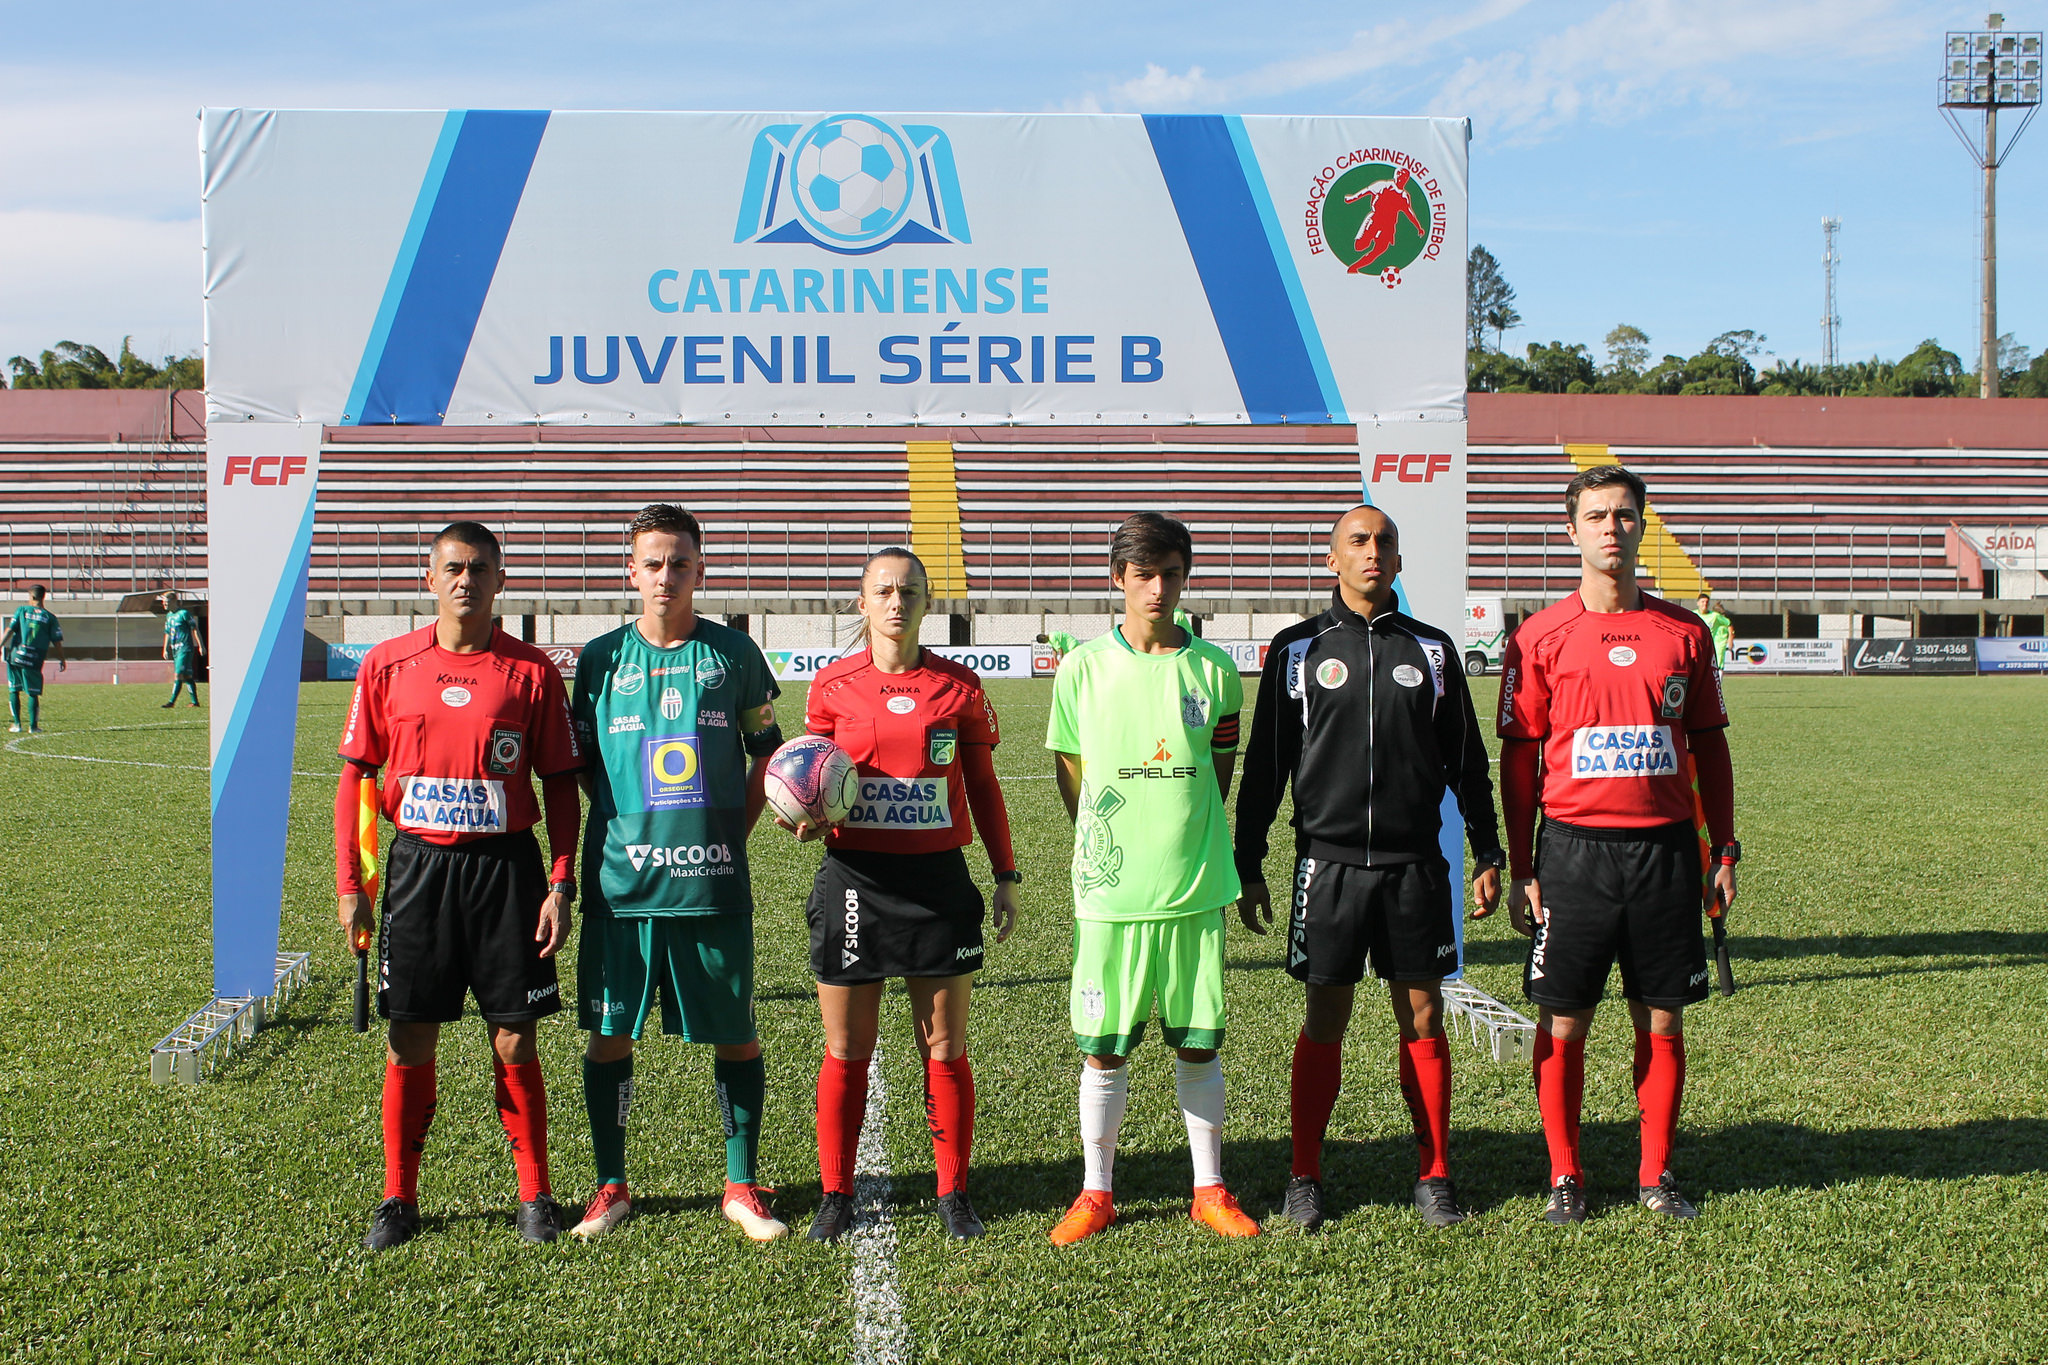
460	919
878	915
1402	917
1631	896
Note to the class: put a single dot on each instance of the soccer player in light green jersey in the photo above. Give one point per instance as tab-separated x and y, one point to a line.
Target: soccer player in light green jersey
1061	641
1144	733
680	715
182	647
1720	626
31	633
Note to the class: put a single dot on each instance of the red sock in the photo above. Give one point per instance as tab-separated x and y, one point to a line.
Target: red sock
523	1109
1318	1076
1426	1083
949	1113
1658	1093
408	1110
842	1103
1560	1069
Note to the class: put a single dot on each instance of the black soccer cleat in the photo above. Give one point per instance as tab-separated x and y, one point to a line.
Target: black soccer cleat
1567	1202
834	1217
540	1219
396	1222
1437	1201
1303	1204
959	1216
1663	1197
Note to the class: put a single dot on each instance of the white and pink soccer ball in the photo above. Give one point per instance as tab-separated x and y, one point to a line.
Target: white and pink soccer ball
811	778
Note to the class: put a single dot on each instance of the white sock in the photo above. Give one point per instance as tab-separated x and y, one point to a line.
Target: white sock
1104	1095
1200	1088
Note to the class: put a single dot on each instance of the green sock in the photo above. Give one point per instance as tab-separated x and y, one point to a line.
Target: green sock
741	1087
35	710
608	1096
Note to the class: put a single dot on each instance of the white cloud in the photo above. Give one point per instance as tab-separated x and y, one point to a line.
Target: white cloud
1642	56
1397	43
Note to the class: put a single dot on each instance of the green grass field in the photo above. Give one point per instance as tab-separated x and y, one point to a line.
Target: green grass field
1866	1126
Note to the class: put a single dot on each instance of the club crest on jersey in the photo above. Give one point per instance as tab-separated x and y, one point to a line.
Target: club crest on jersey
671	703
1332	674
710	672
1672	704
674	769
628	681
455	696
902	706
1194	710
1621	656
505	749
944	745
1408	675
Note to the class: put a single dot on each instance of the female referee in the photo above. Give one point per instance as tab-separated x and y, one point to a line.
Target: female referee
893	896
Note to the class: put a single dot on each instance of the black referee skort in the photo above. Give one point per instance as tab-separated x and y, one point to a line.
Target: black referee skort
1631	896
458	919
878	915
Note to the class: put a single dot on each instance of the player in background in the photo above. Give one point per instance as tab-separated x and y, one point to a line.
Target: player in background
1144	736
183	647
1365	709
460	717
1720	626
31	633
1610	708
679	715
893	897
1063	642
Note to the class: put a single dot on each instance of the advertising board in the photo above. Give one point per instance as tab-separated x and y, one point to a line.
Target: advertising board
1938	655
1784	656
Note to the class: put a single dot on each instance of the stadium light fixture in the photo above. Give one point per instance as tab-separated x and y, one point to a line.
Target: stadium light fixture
1989	69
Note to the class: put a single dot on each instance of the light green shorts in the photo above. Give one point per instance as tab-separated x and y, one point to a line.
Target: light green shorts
1122	968
702	967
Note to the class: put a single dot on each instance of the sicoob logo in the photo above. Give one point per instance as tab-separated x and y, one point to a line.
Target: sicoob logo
852	184
1377	211
674	771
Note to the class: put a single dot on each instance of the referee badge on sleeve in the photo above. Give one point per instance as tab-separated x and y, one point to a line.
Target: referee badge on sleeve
505	748
1672	705
944	745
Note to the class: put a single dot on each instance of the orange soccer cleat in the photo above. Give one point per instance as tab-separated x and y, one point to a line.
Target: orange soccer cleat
1090	1214
1215	1209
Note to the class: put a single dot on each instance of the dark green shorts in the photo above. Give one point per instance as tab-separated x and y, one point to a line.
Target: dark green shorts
25	678
701	966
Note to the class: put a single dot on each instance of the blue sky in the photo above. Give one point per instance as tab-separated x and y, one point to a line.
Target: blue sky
1638	161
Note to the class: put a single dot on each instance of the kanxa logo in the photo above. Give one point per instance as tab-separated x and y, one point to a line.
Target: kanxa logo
853	184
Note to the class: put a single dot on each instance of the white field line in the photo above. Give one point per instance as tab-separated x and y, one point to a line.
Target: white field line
14	747
880	1336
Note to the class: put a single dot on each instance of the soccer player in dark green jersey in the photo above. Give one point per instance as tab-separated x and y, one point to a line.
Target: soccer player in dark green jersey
32	632
182	647
680	715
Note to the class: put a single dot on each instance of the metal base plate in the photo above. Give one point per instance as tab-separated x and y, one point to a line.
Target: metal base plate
1495	1029
196	1048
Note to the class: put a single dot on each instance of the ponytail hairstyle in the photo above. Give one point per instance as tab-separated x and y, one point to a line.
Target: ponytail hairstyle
860	628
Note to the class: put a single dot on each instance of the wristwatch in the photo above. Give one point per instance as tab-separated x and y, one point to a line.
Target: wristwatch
566	889
1013	875
1493	857
1729	853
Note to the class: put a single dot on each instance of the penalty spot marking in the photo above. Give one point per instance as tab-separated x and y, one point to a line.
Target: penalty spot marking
880	1336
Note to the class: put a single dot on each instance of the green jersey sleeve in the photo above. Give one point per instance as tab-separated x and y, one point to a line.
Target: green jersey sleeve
1062	732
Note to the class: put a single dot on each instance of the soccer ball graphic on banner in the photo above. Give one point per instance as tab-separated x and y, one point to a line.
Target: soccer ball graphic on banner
852	177
812	779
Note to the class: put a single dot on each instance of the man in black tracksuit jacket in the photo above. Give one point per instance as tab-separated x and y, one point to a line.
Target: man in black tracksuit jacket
1366	710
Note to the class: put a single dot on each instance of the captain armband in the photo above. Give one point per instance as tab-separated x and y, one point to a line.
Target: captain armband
763	742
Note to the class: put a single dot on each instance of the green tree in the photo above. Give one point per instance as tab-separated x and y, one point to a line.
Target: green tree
1628	351
1488	371
1930	372
69	365
1489	300
1558	368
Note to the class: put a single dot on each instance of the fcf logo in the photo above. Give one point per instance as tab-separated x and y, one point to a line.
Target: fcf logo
1410	468
265	471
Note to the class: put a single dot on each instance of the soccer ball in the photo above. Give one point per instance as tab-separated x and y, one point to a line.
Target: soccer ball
812	779
852	177
1391	276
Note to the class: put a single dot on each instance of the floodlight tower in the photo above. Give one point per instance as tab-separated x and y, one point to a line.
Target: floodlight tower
1990	69
1830	321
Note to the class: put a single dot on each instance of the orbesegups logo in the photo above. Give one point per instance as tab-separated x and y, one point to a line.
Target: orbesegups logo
1377	211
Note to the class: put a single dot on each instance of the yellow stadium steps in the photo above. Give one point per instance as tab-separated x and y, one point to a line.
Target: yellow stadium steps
935	516
1662	557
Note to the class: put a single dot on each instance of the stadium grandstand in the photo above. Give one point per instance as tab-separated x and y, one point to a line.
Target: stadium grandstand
1804	516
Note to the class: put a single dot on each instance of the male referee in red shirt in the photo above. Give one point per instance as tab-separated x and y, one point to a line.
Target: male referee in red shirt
460	716
1610	705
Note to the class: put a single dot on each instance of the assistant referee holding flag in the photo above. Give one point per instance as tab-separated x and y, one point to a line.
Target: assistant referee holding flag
1365	709
460	717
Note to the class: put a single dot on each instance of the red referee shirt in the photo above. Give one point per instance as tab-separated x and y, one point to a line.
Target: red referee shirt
1612	698
904	732
460	736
